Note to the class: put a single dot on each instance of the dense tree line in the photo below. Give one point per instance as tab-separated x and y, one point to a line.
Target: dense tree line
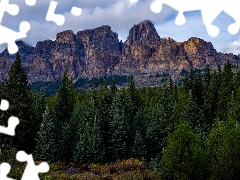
188	132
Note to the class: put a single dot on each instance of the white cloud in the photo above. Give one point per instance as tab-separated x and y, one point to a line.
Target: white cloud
233	47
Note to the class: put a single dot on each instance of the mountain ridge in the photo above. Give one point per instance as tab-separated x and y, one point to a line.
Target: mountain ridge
99	53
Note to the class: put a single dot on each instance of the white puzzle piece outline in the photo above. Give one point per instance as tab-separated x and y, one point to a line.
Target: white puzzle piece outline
12	121
209	12
8	35
31	171
4	170
59	19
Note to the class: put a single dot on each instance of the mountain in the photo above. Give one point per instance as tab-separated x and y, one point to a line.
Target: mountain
99	53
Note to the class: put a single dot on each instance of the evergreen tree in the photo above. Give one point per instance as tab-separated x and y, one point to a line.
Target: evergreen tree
139	148
64	107
236	81
118	131
199	89
215	85
208	95
65	99
6	141
193	114
129	115
46	136
223	150
139	123
71	129
17	93
225	91
38	108
160	121
184	155
135	98
90	147
113	86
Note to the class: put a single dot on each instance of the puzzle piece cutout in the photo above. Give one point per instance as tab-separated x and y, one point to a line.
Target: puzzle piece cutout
30	2
7	35
12	121
210	10
4	170
31	171
59	19
10	130
133	1
4	105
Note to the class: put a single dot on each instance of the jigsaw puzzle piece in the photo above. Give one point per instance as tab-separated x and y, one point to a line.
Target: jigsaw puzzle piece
59	19
4	170
4	105
30	2
133	1
51	16
31	171
10	130
209	14
76	11
232	9
12	9
9	36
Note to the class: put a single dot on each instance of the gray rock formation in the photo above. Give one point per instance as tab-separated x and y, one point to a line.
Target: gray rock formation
98	53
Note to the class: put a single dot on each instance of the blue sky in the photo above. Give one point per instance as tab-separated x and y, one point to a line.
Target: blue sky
121	15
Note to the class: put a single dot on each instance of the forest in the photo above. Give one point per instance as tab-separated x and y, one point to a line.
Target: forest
190	131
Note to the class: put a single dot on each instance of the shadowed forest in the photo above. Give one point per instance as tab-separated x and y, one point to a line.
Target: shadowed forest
168	132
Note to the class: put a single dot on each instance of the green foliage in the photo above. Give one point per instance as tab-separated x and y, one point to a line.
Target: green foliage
160	121
139	148
46	138
223	150
192	114
225	91
17	93
183	157
118	130
90	147
65	100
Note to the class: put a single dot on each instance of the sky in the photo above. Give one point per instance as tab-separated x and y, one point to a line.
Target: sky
121	15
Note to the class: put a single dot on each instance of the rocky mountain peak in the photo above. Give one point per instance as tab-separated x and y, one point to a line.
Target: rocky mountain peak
65	37
100	38
99	53
24	47
144	32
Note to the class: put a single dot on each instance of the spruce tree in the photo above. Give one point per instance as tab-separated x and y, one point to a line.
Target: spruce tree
46	138
139	148
118	131
160	121
225	91
113	86
199	89
65	100
71	129
38	108
17	93
90	146
129	114
223	150
236	81
184	156
194	115
207	94
135	98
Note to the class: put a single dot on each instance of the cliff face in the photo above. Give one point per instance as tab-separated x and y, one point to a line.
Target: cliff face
98	52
